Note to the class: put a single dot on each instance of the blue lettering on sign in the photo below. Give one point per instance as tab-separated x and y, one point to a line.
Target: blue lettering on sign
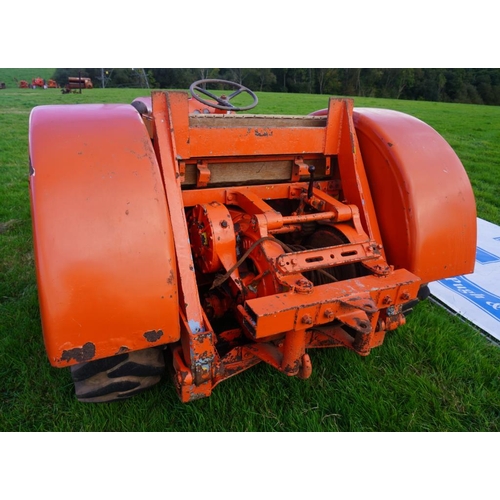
484	257
481	298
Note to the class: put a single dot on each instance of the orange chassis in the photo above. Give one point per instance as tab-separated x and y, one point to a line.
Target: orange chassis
256	239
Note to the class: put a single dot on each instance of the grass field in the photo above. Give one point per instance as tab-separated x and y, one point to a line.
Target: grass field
434	374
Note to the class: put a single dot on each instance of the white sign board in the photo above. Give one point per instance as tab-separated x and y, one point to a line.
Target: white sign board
476	296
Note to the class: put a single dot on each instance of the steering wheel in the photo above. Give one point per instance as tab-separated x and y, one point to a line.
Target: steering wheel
222	101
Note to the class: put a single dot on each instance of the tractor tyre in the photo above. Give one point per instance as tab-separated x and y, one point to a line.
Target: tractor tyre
118	377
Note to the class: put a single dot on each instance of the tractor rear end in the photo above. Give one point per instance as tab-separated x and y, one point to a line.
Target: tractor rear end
175	229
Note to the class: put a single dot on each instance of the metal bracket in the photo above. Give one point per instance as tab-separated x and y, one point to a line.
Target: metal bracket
203	174
358	318
300	169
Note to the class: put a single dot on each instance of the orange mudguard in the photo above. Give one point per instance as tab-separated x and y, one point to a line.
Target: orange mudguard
106	266
423	198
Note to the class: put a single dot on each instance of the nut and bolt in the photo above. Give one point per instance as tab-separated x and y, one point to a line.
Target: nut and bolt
386	300
329	314
306	319
303	285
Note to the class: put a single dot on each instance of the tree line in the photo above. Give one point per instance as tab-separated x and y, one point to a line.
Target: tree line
460	85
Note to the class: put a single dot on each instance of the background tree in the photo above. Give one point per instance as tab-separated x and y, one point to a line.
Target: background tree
473	85
266	79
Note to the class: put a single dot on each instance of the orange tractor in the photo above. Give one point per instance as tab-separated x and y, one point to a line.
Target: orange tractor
38	82
176	231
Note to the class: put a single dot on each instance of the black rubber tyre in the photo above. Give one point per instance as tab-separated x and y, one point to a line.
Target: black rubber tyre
118	377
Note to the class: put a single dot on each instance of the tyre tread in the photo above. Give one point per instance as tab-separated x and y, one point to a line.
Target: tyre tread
118	377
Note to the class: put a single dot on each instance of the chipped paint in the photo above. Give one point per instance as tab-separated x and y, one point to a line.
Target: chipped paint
171	278
153	335
79	354
263	133
195	327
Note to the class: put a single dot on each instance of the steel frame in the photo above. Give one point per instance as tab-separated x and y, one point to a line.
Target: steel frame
292	315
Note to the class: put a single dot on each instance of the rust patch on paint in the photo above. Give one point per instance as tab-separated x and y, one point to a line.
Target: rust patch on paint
263	133
153	335
79	354
171	277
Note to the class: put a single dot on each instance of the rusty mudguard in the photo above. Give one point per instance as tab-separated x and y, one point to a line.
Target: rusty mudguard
106	267
422	195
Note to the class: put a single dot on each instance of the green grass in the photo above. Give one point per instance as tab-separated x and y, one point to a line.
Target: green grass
434	374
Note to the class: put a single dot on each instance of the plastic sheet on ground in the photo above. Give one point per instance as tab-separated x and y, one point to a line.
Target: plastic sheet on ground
476	296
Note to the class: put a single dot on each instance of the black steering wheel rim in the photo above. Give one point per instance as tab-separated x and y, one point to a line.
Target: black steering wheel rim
222	103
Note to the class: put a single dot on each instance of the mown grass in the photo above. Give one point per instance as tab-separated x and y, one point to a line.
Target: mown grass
434	374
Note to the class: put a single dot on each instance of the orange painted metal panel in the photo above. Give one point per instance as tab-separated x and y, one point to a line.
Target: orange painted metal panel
106	266
249	141
284	312
167	155
195	326
423	198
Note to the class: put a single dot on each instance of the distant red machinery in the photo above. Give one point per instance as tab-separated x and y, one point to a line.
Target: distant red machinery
52	84
38	82
76	82
23	84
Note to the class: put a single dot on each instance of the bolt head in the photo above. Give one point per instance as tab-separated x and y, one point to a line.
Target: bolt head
328	313
306	319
